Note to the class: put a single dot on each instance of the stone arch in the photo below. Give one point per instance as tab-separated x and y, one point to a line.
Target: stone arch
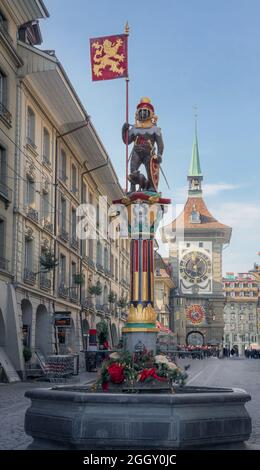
195	338
2	330
27	310
114	335
42	330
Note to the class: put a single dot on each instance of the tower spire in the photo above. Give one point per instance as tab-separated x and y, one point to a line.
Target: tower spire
195	175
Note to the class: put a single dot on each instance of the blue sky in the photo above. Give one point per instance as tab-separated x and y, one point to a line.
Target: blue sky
181	53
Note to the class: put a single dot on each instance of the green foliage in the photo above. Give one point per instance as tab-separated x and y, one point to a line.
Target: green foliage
79	278
27	353
111	297
48	261
96	289
122	303
102	331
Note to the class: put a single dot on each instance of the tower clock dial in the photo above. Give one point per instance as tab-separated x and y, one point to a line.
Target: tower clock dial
195	267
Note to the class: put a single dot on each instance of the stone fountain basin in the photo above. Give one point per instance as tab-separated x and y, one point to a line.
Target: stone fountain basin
71	417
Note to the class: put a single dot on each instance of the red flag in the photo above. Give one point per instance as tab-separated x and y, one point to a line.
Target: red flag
109	57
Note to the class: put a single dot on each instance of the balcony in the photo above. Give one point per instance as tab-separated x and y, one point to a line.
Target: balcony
46	161
64	235
5	116
73	294
63	291
32	214
45	283
89	261
74	243
48	226
107	272
5	193
3	264
31	146
87	304
29	277
99	267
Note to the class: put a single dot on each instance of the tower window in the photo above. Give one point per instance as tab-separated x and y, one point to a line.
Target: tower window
195	217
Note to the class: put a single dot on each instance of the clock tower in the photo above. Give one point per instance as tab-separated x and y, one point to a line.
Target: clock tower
196	241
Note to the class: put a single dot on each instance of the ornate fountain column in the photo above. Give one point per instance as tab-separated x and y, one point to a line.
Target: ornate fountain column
144	214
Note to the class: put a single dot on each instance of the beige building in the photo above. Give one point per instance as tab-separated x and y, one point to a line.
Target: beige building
240	312
59	163
163	284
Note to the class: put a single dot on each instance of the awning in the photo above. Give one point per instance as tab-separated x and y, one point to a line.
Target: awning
46	76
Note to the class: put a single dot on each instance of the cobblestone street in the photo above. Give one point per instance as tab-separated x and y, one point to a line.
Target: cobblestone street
239	373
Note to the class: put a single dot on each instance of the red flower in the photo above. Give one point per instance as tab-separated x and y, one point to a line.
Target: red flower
116	373
105	386
106	345
146	373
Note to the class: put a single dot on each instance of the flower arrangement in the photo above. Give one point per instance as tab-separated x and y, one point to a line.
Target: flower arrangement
132	370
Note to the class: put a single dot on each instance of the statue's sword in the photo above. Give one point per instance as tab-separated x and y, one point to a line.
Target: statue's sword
164	176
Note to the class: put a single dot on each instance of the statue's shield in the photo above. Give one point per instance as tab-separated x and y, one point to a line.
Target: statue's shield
154	170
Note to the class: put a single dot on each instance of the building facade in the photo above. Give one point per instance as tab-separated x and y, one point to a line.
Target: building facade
56	278
163	284
196	241
241	311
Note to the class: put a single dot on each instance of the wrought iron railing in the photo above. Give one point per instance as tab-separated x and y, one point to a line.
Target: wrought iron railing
5	115
63	291
64	235
45	283
74	243
32	214
5	191
29	276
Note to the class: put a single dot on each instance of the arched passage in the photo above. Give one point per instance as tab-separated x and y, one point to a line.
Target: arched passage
2	331
26	307
195	338
42	332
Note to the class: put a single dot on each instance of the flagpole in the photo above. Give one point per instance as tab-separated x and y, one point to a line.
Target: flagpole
126	116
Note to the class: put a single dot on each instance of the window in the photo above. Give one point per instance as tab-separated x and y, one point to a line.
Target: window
195	217
63	163
46	146
45	205
241	285
234	337
84	193
63	213
232	294
28	254
73	223
3	167
3	22
73	273
84	246
91	249
99	253
187	245
251	327
30	193
105	258
201	244
250	285
112	265
3	89
241	294
62	269
74	185
31	126
2	239
116	270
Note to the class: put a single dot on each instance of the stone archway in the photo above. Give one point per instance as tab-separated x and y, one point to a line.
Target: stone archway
2	331
114	335
195	338
26	308
43	339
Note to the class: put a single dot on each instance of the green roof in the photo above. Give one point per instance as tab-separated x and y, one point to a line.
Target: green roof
195	169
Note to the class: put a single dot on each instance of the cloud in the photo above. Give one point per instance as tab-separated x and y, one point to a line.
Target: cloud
212	189
238	215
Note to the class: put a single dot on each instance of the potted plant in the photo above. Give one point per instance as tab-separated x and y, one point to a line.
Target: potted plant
102	334
27	353
48	261
79	278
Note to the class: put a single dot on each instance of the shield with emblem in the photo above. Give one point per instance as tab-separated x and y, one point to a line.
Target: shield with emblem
154	170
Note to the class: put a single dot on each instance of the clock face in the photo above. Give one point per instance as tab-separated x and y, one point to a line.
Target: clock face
195	267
